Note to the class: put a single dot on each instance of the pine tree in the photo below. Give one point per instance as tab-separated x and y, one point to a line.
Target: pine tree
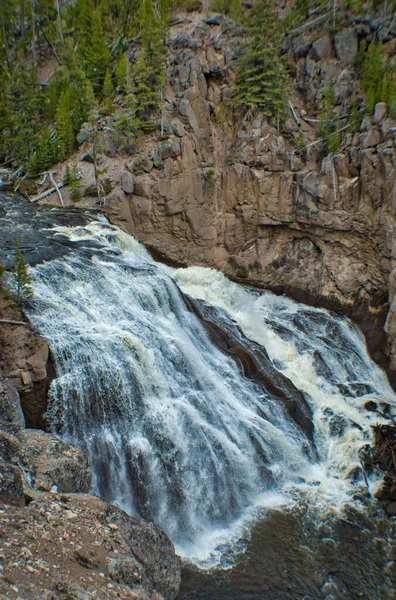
64	127
22	279
121	71
108	89
329	122
261	77
96	53
44	156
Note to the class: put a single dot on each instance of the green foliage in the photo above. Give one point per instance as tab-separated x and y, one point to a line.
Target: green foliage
38	123
95	52
329	121
261	77
22	279
379	78
301	145
122	71
72	178
355	115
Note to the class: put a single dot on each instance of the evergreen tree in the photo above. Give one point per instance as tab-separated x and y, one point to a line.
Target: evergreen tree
22	279
329	122
261	77
64	127
108	89
378	78
45	154
121	71
96	53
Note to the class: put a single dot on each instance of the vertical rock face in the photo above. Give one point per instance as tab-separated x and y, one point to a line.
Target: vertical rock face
25	362
231	192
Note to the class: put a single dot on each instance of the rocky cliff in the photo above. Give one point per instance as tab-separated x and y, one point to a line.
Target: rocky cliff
231	191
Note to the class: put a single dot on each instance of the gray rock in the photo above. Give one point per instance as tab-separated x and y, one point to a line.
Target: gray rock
56	463
152	548
84	134
109	145
322	49
178	128
169	148
346	46
11	484
370	139
300	47
379	112
10	407
127	182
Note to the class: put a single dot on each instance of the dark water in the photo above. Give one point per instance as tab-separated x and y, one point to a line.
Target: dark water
291	556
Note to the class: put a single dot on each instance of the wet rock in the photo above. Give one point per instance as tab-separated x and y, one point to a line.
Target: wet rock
127	184
371	405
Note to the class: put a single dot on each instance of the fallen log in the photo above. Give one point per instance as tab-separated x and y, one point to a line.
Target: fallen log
11	322
46	193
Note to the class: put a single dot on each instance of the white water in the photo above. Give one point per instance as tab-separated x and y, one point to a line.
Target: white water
174	431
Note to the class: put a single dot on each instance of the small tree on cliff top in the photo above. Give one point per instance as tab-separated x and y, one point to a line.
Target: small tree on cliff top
22	278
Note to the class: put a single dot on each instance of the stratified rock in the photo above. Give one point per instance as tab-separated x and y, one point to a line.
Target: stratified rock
56	463
127	184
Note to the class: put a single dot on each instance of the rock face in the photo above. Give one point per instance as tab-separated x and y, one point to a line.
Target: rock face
26	365
232	193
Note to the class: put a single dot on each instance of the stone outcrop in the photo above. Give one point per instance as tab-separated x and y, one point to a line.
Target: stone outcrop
233	192
25	362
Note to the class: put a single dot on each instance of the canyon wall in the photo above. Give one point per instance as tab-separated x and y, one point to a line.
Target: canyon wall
229	190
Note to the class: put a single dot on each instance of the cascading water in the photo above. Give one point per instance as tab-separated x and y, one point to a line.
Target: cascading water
174	431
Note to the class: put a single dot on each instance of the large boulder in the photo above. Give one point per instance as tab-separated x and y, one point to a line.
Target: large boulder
56	464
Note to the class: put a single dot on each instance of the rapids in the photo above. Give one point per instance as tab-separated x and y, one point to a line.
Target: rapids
175	428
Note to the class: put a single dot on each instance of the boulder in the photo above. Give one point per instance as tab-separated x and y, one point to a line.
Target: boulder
127	184
346	46
322	49
56	464
84	134
10	407
380	113
11	484
169	148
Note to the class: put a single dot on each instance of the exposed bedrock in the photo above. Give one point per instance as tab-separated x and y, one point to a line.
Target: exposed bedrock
231	193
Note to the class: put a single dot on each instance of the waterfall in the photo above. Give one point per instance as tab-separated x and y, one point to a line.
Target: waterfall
175	428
